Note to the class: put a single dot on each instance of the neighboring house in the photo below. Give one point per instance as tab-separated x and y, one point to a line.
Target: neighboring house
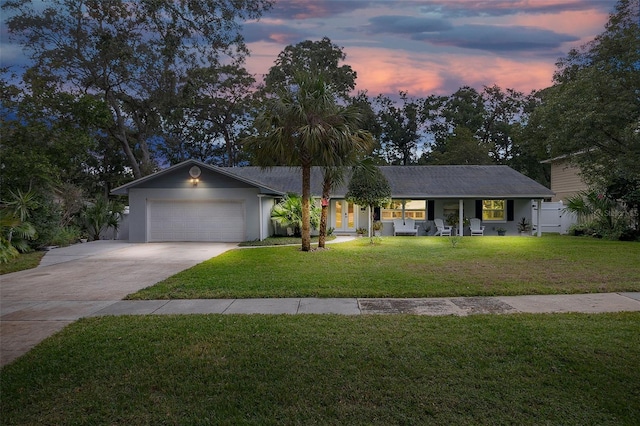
193	201
565	183
565	178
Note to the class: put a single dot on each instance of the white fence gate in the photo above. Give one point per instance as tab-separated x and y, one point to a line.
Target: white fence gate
553	218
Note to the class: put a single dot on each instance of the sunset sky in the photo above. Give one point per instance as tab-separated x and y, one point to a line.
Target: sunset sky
434	46
424	47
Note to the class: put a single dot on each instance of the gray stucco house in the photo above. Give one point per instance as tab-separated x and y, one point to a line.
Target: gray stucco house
194	201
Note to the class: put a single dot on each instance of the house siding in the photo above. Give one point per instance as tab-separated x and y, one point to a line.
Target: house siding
565	180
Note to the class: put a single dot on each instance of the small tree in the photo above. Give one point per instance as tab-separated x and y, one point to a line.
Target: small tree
368	187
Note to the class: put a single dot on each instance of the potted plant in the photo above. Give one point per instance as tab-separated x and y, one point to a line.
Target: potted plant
84	236
452	219
501	231
361	231
523	226
377	228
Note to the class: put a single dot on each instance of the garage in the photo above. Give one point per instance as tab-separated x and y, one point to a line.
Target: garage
191	220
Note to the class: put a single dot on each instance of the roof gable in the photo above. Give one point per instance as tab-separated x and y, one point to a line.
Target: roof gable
178	175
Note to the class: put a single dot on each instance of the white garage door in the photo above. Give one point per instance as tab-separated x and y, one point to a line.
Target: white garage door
206	220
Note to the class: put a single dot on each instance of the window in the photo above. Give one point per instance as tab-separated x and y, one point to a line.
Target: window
413	209
494	210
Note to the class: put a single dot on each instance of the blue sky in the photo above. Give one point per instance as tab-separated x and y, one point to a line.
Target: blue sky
424	47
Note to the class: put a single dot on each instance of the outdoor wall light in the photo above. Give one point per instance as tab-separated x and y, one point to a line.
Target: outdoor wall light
195	172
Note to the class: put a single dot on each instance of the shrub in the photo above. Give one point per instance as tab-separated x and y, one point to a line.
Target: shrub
288	213
46	219
602	216
630	234
102	215
64	235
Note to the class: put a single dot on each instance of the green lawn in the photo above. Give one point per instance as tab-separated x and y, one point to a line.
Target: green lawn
569	369
413	267
22	262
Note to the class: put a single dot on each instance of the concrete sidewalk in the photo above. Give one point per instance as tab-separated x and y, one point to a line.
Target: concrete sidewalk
87	280
25	324
461	306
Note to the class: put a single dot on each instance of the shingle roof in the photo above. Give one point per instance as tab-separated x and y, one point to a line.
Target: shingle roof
415	181
409	182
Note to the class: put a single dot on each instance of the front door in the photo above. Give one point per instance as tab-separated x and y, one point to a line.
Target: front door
344	216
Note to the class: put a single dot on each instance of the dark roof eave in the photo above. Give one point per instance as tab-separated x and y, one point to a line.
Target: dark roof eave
457	197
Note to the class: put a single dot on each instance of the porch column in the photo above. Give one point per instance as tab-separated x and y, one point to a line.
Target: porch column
538	216
261	218
461	217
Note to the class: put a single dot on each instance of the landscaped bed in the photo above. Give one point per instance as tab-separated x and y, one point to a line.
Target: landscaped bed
570	369
413	267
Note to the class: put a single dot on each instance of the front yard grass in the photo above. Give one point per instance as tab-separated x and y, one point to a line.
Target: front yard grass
413	267
569	369
22	262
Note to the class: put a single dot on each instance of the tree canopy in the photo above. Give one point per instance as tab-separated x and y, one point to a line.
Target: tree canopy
321	58
134	56
368	187
592	112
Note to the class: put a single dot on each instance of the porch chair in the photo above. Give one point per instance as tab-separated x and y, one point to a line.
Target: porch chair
475	226
441	229
406	226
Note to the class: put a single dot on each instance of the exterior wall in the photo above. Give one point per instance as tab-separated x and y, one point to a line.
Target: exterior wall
268	229
522	208
138	206
362	218
565	180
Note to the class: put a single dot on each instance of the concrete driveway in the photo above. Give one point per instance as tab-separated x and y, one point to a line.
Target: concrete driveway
77	281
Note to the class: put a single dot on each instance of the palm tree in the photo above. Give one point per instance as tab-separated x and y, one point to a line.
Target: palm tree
100	216
14	228
304	126
13	235
288	212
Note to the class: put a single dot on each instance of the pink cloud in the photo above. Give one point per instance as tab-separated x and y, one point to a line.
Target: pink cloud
421	75
388	71
583	24
439	68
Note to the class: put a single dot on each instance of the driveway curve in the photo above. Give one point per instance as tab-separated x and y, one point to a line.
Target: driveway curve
79	280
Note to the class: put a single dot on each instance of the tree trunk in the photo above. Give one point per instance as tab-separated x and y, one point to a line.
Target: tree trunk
229	145
119	132
324	213
306	217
